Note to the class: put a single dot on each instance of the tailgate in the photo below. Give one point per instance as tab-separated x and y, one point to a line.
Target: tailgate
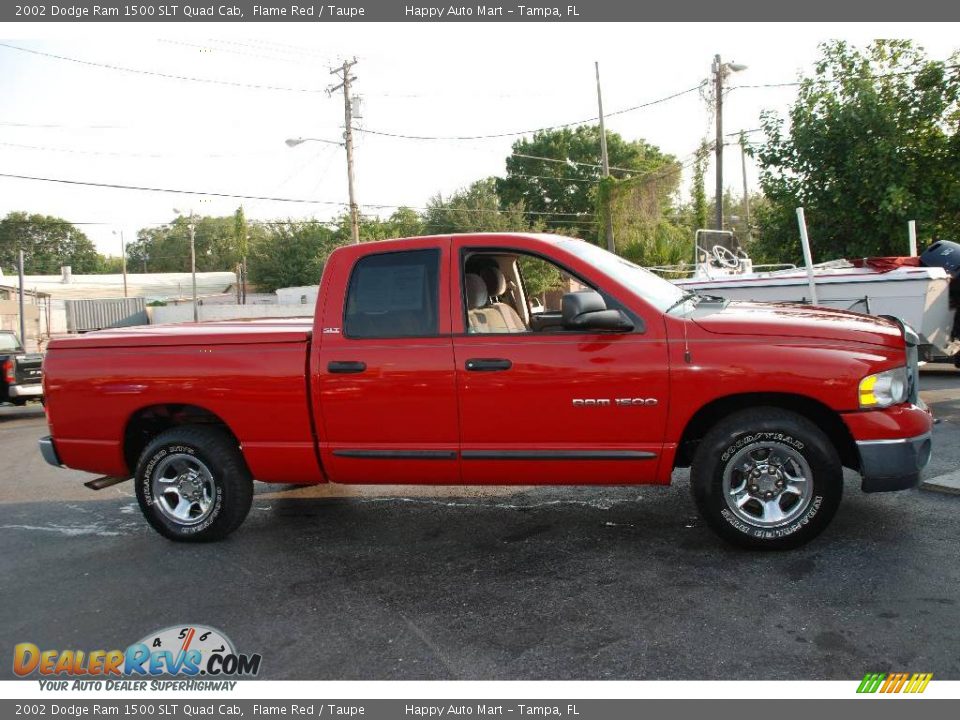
28	368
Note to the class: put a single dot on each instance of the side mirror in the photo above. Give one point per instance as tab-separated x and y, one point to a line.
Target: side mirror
587	310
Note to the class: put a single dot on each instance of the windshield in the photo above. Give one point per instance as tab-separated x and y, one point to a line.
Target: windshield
646	285
8	342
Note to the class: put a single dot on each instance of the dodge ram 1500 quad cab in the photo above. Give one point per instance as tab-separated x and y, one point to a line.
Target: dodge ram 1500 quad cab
498	359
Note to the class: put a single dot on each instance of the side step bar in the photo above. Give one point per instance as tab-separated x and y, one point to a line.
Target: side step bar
104	482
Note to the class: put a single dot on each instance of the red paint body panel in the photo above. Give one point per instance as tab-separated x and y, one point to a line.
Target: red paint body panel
794	320
902	421
405	401
258	390
415	415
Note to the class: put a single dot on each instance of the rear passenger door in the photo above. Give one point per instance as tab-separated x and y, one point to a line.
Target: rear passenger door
385	382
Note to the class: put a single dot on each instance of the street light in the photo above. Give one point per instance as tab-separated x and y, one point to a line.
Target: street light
123	256
193	263
720	71
293	142
348	144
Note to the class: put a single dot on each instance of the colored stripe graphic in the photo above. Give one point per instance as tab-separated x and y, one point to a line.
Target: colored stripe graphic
894	683
871	682
919	682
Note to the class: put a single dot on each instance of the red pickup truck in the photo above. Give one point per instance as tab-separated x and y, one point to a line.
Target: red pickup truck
498	359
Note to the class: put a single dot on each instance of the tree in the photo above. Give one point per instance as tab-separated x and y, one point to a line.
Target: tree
404	222
166	248
477	208
564	186
48	243
698	192
290	254
241	239
872	143
240	234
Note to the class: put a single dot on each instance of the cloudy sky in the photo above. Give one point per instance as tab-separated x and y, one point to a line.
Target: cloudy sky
209	106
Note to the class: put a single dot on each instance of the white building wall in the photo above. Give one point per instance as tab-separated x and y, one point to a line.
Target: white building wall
184	313
305	295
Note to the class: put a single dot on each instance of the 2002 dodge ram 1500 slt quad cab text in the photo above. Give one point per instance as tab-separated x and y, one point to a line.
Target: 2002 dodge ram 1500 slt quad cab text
498	359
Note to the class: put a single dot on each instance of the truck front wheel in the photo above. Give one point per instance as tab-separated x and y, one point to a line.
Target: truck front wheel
193	484
766	478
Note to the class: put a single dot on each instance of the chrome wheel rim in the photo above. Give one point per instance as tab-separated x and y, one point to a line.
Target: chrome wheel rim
183	489
767	484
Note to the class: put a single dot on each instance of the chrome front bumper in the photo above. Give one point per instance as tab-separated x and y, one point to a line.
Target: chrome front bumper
893	464
49	451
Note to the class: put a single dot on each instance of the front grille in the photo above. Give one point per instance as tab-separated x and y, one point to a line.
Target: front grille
911	342
913	373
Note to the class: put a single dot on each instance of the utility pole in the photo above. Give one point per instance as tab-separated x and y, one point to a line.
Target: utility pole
193	270
718	149
605	163
23	320
720	71
346	79
746	194
123	256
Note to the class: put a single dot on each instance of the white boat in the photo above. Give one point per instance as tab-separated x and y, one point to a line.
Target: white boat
918	294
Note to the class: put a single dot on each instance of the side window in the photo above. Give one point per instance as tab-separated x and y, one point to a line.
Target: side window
546	284
393	295
514	293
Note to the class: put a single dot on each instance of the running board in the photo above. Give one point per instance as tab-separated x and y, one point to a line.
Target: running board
104	482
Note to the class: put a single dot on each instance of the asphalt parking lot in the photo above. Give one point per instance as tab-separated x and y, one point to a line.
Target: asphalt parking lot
572	583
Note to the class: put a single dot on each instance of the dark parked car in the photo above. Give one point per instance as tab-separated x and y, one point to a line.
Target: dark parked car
22	375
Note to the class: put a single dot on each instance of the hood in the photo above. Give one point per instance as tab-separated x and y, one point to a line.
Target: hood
795	320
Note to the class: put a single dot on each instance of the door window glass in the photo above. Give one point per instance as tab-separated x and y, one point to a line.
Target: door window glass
394	295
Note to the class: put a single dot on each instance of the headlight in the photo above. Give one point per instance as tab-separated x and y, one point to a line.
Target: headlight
884	389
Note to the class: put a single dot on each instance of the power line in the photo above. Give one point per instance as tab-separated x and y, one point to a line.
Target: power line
216	48
237	196
65	127
530	131
118	186
568	162
154	73
272	46
108	153
852	76
551	177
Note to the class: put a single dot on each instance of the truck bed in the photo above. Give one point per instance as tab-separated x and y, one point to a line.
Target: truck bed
224	332
250	375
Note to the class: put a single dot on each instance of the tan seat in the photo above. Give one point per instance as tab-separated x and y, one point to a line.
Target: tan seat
496	283
484	316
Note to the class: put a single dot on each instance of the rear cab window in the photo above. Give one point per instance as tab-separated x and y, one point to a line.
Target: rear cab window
394	295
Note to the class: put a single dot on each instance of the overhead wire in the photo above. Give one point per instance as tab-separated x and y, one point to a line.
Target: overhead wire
154	73
107	153
514	133
239	196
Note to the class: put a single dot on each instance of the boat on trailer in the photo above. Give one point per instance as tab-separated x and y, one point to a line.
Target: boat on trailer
922	291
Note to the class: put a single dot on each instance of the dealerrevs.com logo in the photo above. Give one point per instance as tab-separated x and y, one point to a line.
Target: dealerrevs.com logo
184	651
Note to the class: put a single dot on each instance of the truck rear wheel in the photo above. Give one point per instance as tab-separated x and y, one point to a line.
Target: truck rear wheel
193	485
766	479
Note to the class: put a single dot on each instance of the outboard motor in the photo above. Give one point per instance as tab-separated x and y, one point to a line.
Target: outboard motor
946	254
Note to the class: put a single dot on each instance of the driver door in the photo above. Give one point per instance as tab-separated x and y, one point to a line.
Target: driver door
542	405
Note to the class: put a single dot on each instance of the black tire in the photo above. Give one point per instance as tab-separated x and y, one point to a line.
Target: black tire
19	402
221	497
737	444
